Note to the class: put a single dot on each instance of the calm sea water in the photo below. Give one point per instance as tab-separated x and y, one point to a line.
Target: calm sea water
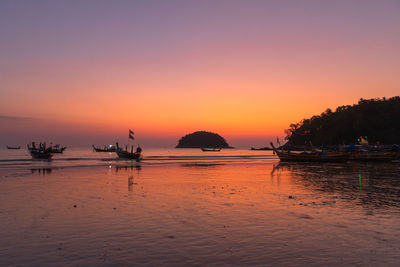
185	207
11	159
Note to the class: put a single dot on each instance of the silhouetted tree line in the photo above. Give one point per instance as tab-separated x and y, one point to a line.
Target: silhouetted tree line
378	119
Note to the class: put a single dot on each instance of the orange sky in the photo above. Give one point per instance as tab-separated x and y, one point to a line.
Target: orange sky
244	70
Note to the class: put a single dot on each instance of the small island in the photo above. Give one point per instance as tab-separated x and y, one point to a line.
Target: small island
202	139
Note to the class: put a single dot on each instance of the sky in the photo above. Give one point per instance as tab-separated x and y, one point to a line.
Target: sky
83	72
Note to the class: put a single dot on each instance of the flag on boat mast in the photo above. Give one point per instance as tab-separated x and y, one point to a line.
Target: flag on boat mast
131	134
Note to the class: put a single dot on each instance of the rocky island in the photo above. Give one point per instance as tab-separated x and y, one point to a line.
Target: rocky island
201	139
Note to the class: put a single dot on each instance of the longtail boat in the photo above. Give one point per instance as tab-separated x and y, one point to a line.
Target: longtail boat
13	147
211	149
125	154
56	149
40	152
314	156
261	148
110	148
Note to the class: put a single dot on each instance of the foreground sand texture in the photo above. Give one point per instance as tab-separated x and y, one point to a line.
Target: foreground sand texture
233	214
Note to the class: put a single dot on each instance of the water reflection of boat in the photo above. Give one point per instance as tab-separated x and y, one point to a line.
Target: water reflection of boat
13	147
313	156
374	186
127	167
109	148
42	171
211	149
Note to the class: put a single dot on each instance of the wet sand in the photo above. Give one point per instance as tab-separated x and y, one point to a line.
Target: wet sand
201	214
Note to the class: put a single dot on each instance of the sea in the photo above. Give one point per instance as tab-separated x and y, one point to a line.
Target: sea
86	157
186	207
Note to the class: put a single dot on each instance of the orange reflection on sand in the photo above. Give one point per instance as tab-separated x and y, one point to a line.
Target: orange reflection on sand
228	213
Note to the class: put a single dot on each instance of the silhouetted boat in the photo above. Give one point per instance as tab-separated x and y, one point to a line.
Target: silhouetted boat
374	156
13	147
125	154
110	148
261	148
372	153
39	153
211	149
56	149
314	156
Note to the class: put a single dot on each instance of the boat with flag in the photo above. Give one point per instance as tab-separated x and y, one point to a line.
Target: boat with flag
126	154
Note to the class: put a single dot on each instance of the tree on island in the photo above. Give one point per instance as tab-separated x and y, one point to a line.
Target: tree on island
378	119
202	139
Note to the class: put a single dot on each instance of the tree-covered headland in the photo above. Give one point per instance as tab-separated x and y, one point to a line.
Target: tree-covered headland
377	119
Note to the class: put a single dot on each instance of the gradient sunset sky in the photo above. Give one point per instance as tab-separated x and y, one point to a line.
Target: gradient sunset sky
82	72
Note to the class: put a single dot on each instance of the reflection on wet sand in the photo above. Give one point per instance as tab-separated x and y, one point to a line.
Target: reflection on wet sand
232	214
370	185
127	167
42	171
130	183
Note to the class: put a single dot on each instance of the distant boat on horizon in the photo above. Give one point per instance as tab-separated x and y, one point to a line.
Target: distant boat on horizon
261	148
13	147
215	149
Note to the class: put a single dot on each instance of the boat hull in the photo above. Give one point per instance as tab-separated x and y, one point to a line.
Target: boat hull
374	156
310	157
96	149
128	155
211	149
40	154
337	157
